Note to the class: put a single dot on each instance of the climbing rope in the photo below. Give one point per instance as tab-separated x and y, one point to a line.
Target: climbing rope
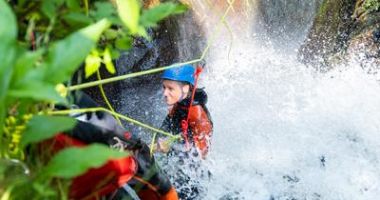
100	83
151	71
84	110
185	123
126	76
106	99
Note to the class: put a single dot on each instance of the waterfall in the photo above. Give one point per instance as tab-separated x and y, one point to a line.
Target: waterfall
281	130
284	131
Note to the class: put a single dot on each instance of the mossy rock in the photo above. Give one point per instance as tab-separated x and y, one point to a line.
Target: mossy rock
329	32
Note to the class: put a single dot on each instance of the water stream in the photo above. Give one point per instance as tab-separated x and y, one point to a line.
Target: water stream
282	130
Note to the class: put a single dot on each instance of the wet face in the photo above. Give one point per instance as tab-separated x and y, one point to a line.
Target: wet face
174	91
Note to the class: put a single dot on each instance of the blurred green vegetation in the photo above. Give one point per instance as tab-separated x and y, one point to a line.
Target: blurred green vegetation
43	43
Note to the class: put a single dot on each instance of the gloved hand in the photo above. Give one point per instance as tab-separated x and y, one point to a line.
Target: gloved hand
163	145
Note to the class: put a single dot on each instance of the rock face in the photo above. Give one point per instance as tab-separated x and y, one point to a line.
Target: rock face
364	41
329	33
343	30
176	39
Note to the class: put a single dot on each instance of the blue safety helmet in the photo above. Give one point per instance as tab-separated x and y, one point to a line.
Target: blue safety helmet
184	73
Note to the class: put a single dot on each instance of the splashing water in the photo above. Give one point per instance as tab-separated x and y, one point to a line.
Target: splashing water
283	131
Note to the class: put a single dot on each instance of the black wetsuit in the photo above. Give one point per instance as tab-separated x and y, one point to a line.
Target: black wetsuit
88	133
181	162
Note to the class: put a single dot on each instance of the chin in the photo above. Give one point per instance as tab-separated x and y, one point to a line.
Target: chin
170	103
167	102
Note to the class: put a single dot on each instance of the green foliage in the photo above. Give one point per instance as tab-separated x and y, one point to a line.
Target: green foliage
46	92
64	58
93	62
72	162
42	127
129	12
41	48
372	5
7	55
150	17
107	60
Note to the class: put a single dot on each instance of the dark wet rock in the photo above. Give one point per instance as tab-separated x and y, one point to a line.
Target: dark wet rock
363	46
177	39
344	30
329	33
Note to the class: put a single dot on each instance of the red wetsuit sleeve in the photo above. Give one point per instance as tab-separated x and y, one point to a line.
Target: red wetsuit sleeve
201	128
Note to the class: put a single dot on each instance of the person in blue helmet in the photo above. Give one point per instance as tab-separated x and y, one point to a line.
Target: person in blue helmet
189	117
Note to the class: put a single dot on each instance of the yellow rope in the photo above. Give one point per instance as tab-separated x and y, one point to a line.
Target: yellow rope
152	144
213	37
126	76
100	82
83	110
151	71
106	99
231	35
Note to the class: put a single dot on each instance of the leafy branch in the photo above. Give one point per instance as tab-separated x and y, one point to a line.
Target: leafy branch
40	49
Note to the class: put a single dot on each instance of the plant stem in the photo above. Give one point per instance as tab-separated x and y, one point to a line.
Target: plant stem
118	78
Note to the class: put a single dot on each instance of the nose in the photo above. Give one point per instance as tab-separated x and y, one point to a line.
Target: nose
166	92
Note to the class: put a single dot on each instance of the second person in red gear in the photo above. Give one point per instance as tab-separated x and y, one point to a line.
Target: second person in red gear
188	116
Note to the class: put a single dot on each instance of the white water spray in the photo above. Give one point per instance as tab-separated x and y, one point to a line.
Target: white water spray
283	131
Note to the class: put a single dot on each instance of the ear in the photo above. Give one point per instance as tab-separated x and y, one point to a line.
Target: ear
186	88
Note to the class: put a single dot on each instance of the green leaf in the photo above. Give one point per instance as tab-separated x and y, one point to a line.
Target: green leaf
93	62
77	18
103	10
107	60
8	34
72	162
149	18
42	127
65	56
129	13
94	31
8	20
50	8
36	90
25	63
142	32
115	54
73	5
110	34
123	43
33	75
44	190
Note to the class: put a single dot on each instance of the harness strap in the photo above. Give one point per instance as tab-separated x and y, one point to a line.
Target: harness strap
149	185
185	123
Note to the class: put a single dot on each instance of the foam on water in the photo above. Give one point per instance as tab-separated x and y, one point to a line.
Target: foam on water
282	130
285	131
